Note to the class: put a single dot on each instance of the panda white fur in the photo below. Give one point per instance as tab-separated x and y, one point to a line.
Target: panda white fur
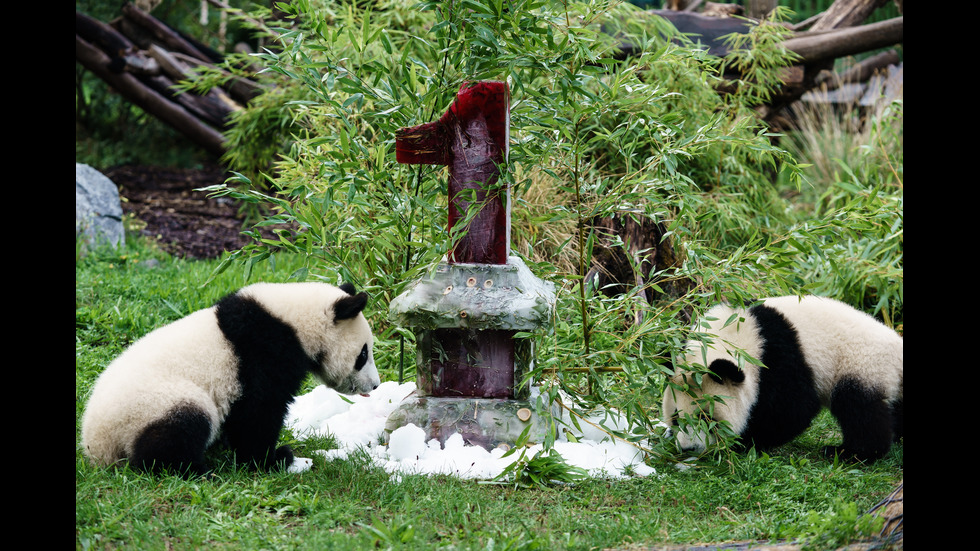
230	371
817	352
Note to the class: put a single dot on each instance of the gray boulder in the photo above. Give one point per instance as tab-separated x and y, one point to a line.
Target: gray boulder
98	211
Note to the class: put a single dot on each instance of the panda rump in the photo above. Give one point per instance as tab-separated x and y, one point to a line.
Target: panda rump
228	372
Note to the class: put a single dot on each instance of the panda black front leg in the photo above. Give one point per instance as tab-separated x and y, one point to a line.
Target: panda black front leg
271	365
252	432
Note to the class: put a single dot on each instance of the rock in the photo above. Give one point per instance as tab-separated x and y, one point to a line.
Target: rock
98	211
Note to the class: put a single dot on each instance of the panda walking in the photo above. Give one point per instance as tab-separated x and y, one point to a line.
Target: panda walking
816	352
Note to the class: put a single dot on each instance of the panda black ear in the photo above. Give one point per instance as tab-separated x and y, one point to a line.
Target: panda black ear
348	288
349	307
720	370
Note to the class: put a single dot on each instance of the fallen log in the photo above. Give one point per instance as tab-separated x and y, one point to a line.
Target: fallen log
103	36
157	70
709	31
208	108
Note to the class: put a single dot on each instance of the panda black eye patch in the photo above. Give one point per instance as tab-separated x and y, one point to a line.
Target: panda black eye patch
361	359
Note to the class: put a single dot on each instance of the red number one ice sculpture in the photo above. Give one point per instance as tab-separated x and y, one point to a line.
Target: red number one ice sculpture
469	364
471	138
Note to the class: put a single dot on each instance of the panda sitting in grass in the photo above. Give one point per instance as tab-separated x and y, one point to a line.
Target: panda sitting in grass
228	371
816	352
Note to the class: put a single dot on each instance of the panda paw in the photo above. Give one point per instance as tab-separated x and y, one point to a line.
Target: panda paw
300	465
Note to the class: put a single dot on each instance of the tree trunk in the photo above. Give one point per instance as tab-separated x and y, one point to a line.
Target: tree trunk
644	258
760	9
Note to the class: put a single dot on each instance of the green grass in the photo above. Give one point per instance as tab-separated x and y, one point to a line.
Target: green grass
348	504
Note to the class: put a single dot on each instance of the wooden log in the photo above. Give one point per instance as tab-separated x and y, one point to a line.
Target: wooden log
833	44
241	89
859	72
130	87
846	13
102	35
208	110
177	70
710	31
162	33
125	55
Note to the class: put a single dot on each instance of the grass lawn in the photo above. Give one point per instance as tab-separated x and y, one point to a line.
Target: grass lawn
347	504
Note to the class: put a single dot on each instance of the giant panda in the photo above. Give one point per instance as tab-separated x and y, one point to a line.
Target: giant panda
228	371
817	352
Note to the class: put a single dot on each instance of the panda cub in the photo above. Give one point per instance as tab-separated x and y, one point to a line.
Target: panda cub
817	352
228	371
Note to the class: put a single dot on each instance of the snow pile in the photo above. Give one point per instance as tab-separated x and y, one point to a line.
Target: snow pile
357	423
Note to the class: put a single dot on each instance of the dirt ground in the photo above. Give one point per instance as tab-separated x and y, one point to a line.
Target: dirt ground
186	223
